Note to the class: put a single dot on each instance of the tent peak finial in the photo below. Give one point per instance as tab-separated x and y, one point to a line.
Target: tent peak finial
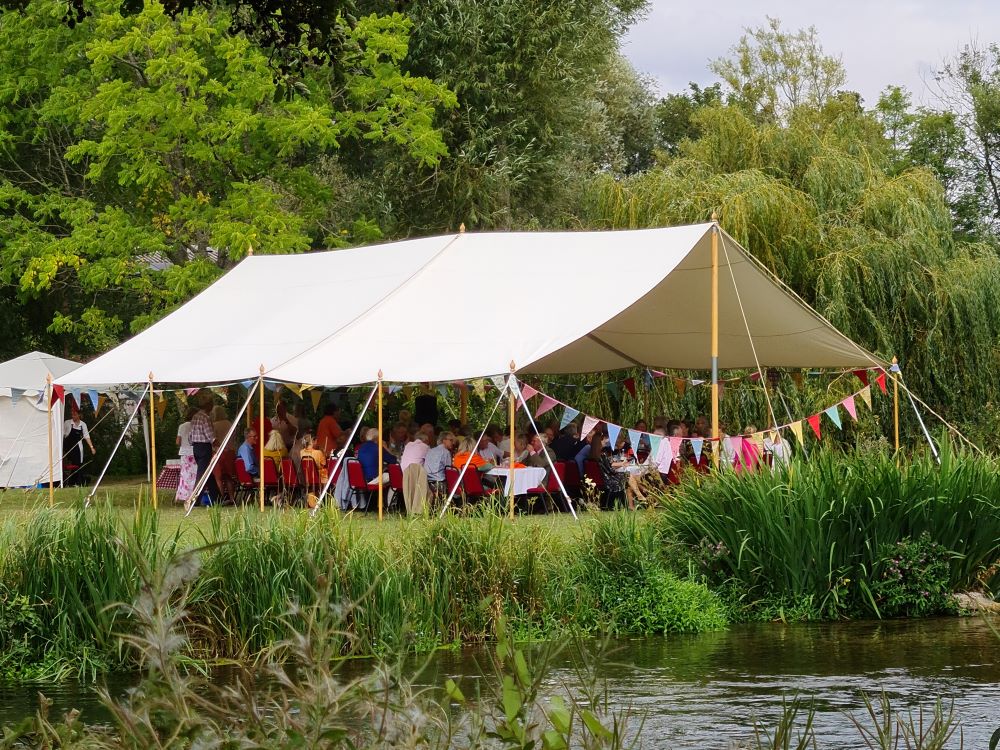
512	366
262	369
150	376
715	217
250	249
461	228
380	374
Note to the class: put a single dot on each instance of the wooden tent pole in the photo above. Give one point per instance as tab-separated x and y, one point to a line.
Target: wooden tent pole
715	340
152	436
48	393
379	475
260	440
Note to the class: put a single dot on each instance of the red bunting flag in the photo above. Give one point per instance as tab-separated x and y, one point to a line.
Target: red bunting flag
629	384
848	403
881	382
547	404
862	376
814	423
58	393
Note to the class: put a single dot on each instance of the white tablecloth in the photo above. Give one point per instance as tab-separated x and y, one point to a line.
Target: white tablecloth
524	479
632	469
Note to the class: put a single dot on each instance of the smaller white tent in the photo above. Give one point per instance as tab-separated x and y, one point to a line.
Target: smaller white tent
24	436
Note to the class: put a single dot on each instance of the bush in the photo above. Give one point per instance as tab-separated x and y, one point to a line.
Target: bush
911	578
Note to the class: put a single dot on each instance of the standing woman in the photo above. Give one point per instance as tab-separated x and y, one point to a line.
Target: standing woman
189	467
75	434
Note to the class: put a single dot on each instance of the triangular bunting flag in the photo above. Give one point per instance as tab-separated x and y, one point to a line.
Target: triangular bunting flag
848	403
614	389
814	423
681	385
755	375
161	407
654	445
633	439
190	391
100	403
658	374
548	403
442	390
394	389
315	396
862	375
722	388
881	382
696	446
796	428
647	378
866	395
527	391
735	444
92	395
589	423
797	379
223	391
675	446
248	384
15	395
271	386
834	414
613	431
295	388
697	382
499	382
479	387
41	397
629	384
568	416
894	367
76	393
58	393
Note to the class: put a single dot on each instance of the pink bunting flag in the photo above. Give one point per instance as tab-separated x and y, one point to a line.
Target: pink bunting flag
735	444
527	391
589	423
547	404
848	403
675	446
191	391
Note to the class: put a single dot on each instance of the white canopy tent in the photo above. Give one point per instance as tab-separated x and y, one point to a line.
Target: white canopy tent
468	305
24	435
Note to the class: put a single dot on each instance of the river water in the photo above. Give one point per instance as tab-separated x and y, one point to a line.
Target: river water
706	690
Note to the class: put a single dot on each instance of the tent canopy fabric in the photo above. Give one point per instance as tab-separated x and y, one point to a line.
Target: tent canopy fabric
28	372
468	305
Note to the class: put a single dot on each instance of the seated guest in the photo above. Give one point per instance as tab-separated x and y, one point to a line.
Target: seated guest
587	452
438	459
399	436
415	451
466	453
537	451
567	445
614	481
520	448
368	456
274	448
328	431
308	450
248	452
430	431
489	449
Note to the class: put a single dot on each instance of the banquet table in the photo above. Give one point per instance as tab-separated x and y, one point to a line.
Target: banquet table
632	469
524	479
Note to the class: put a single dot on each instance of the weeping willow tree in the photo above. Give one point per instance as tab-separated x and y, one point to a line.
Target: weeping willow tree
873	251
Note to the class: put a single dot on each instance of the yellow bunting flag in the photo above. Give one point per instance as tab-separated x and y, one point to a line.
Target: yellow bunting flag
758	440
161	406
479	387
681	385
796	428
100	403
797	379
294	388
866	395
221	391
316	396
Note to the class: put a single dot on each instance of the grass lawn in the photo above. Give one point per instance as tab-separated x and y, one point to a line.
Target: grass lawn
17	506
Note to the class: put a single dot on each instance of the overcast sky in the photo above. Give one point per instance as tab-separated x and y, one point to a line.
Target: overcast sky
882	42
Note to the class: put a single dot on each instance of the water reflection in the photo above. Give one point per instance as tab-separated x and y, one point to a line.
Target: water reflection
704	691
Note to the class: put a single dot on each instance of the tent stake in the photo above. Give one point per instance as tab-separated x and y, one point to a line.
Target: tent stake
260	441
48	390
380	443
511	416
715	340
152	435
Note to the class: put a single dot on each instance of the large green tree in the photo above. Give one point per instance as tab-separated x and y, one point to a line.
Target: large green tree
142	153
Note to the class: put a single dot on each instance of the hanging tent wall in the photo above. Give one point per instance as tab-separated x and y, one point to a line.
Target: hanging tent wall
24	435
423	310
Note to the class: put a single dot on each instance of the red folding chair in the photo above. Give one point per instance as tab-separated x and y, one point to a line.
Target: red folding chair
272	478
289	478
472	485
245	483
311	482
361	490
552	488
395	485
451	481
571	478
592	470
